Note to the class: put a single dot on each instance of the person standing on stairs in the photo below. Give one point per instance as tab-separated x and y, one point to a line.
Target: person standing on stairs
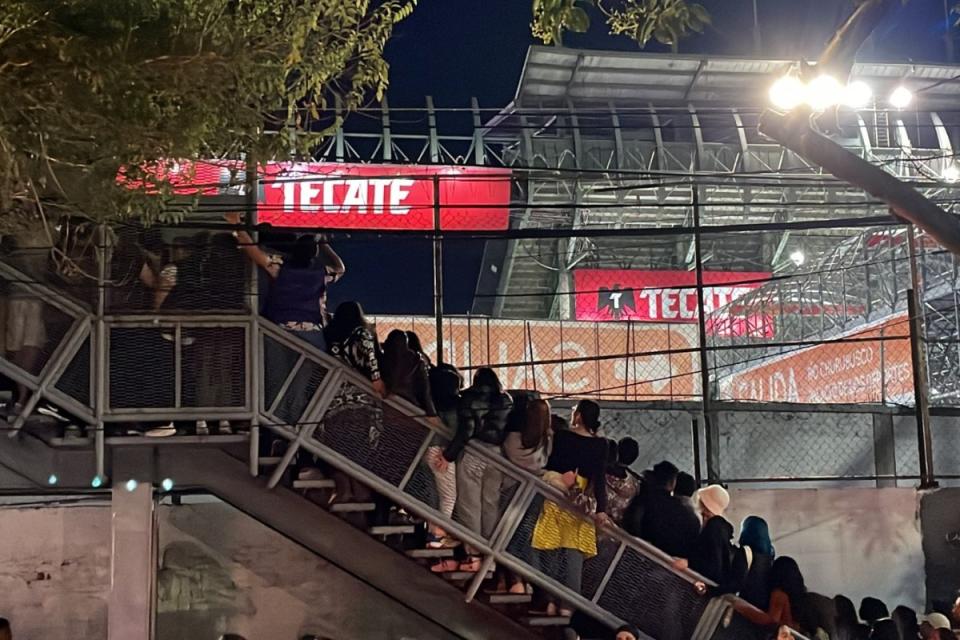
354	420
298	291
564	539
528	449
445	386
405	373
482	418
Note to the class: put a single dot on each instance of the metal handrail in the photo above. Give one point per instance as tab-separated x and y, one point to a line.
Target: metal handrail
529	487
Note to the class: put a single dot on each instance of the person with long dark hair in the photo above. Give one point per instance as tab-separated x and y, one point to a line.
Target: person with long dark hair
754	562
481	417
350	339
788	598
354	421
564	539
907	623
405	373
530	447
297	295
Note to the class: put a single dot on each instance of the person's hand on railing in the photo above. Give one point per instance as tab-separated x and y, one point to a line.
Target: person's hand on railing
569	479
681	564
436	460
603	520
380	388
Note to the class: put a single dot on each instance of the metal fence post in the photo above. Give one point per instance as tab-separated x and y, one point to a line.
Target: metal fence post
919	361
709	423
254	383
437	268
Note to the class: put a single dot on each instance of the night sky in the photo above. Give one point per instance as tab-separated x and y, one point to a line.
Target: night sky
456	49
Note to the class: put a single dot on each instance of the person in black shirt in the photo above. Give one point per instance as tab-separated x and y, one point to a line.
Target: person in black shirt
562	538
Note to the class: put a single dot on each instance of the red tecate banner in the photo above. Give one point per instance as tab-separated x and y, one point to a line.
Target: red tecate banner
357	196
189	177
353	196
667	296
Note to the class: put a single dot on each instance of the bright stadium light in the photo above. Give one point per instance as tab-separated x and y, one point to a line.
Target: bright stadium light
97	482
901	98
787	93
53	479
797	257
823	92
131	485
951	173
167	484
857	94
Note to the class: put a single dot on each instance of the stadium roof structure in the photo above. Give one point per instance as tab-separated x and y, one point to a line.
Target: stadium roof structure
628	140
561	74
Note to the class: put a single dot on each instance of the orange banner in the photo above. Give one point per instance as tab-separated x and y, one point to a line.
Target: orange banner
865	369
626	361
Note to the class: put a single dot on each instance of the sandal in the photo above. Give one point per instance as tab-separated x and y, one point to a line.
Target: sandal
472	564
441	542
518	588
445	566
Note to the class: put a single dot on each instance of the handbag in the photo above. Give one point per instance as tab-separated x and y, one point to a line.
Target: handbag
582	495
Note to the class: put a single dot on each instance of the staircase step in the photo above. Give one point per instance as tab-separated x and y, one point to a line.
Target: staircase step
510	598
237	438
463	576
430	553
392	530
352	507
546	621
324	483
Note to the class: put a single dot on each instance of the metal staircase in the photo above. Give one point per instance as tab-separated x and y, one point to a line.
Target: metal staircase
106	370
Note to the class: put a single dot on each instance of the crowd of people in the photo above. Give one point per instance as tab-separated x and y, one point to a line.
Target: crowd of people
661	506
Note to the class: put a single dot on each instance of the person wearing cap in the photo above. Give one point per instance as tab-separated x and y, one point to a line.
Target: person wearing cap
713	553
931	624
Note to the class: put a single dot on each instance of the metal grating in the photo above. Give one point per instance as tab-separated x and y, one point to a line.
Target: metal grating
298	394
278	362
214	367
662	604
141	368
75	381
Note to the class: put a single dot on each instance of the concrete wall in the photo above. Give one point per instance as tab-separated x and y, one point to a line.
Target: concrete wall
55	571
221	571
859	542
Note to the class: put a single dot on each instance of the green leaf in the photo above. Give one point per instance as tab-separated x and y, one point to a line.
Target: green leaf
700	13
577	20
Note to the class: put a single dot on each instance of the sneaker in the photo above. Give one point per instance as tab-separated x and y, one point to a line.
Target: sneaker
310	473
202	428
224	428
72	431
165	431
51	412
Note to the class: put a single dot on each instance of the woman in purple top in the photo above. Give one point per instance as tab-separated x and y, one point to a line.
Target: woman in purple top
298	291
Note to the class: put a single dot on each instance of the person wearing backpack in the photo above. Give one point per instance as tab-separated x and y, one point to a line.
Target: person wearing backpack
482	417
